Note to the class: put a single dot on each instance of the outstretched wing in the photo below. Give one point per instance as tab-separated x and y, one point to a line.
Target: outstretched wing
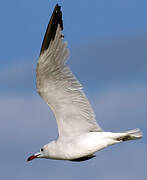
58	86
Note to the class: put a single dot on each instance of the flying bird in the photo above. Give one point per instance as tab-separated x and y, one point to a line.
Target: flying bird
79	135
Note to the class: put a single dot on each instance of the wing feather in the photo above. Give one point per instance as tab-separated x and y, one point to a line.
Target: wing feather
59	87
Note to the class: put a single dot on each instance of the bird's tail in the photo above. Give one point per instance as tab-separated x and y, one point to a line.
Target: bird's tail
130	135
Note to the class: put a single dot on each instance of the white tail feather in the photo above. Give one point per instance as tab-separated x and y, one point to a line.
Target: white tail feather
129	135
134	134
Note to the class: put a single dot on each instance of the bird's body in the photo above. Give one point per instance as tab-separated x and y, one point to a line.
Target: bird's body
84	145
79	134
80	146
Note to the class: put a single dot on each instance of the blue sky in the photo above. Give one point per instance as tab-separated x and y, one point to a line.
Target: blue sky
107	41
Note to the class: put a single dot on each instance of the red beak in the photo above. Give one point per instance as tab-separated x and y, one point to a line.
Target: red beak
32	157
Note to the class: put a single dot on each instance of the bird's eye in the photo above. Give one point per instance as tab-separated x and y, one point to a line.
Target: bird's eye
41	149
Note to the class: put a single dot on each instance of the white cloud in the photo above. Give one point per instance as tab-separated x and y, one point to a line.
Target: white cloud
24	118
120	108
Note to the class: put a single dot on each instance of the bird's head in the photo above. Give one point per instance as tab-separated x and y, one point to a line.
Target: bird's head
41	154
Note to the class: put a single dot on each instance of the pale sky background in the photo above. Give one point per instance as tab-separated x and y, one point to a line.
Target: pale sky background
108	45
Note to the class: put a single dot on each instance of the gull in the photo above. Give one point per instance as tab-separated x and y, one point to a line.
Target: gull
79	135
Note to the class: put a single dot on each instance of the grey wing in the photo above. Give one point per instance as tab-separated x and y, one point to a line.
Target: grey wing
58	86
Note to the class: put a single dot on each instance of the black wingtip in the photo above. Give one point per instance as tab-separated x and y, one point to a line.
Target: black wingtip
55	19
58	16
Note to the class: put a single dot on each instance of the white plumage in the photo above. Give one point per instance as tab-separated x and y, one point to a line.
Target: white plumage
63	92
79	134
